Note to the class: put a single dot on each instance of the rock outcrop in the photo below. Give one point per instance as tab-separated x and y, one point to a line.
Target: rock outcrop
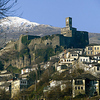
22	52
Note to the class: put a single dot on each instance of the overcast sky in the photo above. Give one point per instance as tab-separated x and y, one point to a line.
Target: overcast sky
85	13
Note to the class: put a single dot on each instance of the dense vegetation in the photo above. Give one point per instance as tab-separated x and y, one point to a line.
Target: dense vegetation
48	37
14	70
25	40
4	95
1	66
35	91
23	52
42	55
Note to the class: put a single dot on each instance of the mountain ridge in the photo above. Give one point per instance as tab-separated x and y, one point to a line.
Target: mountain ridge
12	27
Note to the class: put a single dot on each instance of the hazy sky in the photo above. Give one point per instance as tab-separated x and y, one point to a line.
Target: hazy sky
85	13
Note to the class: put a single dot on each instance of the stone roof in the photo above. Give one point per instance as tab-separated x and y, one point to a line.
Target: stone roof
5	85
73	52
97	64
86	76
97	54
5	73
84	56
74	49
93	45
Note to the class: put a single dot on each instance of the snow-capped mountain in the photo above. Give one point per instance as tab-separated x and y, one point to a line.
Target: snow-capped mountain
13	27
16	21
15	24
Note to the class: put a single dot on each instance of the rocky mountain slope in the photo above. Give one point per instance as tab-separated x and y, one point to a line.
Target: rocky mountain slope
94	38
12	27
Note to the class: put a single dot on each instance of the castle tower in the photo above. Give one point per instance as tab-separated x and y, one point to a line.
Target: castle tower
76	38
68	22
68	30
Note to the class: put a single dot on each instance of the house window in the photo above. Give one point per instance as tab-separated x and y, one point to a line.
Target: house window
89	48
97	48
97	67
83	59
75	88
78	88
50	43
47	43
81	88
86	60
74	58
61	60
78	82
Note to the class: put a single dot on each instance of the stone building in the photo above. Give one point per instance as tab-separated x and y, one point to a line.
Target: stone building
17	86
92	49
85	84
26	46
78	38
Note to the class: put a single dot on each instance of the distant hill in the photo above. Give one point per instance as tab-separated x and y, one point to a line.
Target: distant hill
94	38
12	27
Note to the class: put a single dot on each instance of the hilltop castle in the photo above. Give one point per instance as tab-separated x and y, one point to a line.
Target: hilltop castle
69	38
27	44
77	38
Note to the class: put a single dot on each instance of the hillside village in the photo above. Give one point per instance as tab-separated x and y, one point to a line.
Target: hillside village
73	71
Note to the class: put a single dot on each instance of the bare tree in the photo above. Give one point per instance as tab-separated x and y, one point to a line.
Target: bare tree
5	7
5	10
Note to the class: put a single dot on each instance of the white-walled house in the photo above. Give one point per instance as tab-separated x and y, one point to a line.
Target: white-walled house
54	83
68	58
17	86
74	55
4	73
95	69
66	61
84	59
5	86
27	70
61	68
97	56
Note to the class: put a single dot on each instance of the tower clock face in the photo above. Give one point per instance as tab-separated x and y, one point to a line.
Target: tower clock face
67	20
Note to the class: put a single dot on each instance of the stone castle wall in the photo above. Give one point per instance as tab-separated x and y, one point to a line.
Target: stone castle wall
78	40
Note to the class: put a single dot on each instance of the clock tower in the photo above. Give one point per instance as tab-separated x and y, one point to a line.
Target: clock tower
68	22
